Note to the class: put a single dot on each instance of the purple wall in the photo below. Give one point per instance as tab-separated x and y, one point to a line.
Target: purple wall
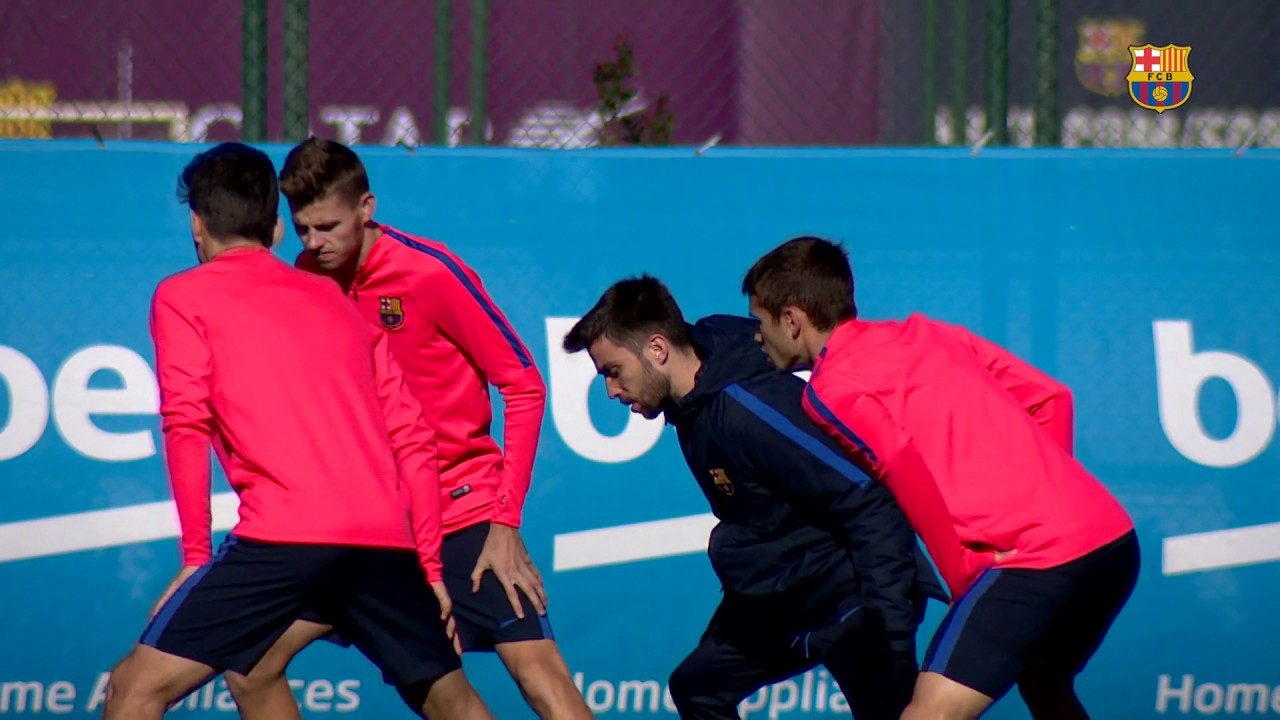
750	70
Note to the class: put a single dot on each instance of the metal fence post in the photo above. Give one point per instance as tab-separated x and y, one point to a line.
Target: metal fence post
929	86
441	71
297	31
254	70
998	71
959	70
1046	113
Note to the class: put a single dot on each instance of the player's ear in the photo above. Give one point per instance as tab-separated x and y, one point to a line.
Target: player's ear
366	206
658	349
793	320
278	232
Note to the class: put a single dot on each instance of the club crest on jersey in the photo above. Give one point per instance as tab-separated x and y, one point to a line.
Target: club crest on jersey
722	481
390	312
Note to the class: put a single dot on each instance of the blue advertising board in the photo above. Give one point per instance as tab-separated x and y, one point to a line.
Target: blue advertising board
1142	279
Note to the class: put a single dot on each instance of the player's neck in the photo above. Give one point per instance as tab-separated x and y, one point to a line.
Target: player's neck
346	276
814	341
214	248
684	373
371	234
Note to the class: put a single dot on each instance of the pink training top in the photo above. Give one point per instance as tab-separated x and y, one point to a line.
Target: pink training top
304	405
975	444
453	342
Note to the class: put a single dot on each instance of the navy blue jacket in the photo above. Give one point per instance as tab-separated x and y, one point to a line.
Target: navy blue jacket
792	508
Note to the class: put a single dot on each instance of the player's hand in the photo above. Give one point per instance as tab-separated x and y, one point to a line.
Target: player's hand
183	574
446	614
504	553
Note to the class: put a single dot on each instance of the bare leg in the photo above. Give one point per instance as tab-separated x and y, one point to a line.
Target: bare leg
938	697
543	679
144	683
450	696
264	693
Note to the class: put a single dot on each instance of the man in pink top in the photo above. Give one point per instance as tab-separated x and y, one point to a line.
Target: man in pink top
454	344
976	445
323	443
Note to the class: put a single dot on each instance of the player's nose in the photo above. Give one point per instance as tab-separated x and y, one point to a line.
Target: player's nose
612	388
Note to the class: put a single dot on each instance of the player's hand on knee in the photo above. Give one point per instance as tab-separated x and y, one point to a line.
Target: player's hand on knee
504	553
446	614
183	574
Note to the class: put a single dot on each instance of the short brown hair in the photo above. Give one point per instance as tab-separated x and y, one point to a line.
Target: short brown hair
318	167
809	273
628	313
232	187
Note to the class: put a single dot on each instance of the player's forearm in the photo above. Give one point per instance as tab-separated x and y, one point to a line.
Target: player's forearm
913	486
187	457
522	425
422	481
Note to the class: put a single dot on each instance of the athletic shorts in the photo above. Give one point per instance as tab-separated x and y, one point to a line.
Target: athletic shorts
234	608
1054	618
484	618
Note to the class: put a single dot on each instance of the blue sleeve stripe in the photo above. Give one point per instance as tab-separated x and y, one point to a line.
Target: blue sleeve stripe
834	421
792	432
480	297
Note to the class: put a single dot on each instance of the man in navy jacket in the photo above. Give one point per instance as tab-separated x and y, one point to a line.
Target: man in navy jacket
817	562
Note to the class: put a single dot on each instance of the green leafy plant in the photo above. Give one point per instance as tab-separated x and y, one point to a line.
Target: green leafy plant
614	89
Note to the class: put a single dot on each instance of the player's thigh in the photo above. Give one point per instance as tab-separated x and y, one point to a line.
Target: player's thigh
388	611
485	617
272	666
876	673
536	665
1103	582
987	636
152	673
719	672
234	608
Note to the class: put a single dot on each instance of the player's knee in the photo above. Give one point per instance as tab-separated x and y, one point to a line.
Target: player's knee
684	685
256	684
127	683
543	675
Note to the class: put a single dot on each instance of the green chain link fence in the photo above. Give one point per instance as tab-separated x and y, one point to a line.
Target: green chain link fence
584	73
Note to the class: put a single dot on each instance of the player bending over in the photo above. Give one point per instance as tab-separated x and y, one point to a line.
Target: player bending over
817	562
976	445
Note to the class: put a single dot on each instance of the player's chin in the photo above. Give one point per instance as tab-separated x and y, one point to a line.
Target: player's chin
777	361
646	412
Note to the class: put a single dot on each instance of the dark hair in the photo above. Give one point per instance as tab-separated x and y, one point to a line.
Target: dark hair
232	187
628	313
318	167
809	273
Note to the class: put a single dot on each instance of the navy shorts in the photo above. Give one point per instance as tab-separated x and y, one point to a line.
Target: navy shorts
234	608
484	618
1053	620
